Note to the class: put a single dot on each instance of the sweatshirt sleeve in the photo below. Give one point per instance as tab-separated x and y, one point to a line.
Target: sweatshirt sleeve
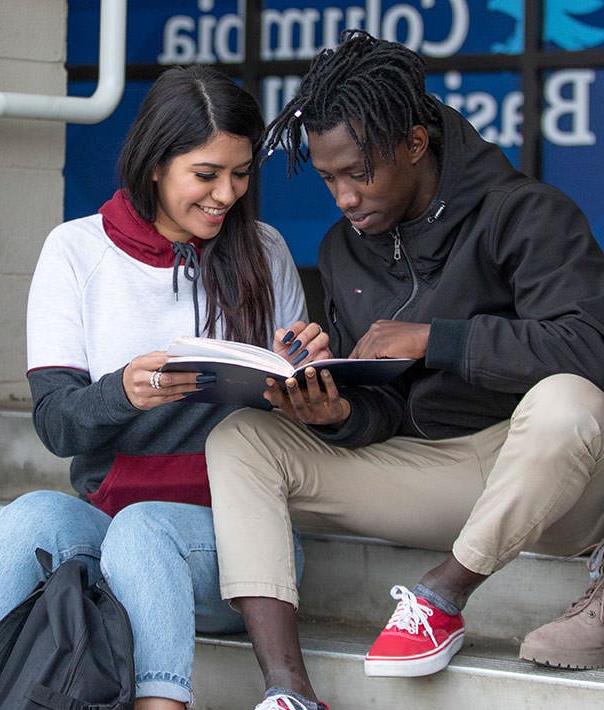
74	416
290	303
71	414
542	246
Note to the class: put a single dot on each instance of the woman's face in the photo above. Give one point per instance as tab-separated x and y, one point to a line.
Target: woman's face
195	190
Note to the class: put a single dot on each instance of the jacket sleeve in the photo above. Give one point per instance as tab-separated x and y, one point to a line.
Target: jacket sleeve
74	416
541	245
376	412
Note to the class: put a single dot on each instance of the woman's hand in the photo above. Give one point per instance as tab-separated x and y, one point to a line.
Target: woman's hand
137	379
302	342
311	405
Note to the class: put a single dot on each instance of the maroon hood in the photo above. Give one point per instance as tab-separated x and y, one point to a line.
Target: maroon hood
134	235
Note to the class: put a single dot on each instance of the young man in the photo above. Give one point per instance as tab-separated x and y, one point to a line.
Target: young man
492	442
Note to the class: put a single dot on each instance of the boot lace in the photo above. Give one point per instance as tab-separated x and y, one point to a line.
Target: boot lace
410	614
595	566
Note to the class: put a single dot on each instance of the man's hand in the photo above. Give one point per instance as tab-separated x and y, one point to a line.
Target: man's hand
311	405
393	338
302	342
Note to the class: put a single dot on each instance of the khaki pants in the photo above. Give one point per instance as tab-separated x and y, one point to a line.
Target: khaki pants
534	482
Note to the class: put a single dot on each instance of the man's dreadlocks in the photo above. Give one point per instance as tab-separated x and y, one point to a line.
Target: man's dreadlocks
375	88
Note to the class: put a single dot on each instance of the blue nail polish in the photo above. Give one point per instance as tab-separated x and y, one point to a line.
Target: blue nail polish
205	385
300	356
287	337
294	346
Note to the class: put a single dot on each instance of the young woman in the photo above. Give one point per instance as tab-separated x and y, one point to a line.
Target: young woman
175	252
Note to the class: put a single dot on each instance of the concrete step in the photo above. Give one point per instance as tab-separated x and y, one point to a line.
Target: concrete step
485	674
348	579
25	464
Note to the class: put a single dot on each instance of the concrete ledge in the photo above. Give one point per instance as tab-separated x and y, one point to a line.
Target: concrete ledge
25	464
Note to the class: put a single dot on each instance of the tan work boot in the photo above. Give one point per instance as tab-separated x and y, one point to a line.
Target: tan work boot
576	639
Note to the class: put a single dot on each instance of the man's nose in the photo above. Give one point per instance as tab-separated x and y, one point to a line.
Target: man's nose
347	198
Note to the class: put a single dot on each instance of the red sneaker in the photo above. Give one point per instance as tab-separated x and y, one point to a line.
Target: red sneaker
410	645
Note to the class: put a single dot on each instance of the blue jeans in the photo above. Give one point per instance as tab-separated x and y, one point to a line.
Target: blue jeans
159	558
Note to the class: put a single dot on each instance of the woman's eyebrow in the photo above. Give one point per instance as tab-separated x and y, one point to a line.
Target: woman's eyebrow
217	165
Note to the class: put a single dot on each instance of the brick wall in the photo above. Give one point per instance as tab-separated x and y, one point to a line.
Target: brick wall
32	153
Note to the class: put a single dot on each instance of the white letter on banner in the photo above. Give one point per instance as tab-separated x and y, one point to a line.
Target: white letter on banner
226	25
577	107
285	21
415	27
483	112
374	13
332	17
277	93
511	119
459	31
178	48
355	17
205	54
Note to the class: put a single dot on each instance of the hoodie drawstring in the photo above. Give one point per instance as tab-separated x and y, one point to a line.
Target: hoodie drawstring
192	272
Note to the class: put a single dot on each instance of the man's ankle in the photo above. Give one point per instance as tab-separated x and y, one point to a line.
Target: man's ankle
452	582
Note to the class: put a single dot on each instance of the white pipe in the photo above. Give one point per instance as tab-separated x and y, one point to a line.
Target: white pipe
110	87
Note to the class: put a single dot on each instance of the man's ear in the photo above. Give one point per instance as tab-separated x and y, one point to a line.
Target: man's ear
419	143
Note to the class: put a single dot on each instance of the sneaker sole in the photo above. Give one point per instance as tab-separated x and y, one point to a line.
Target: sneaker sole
427	664
573	660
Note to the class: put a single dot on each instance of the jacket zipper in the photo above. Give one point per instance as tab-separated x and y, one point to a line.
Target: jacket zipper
399	249
333	317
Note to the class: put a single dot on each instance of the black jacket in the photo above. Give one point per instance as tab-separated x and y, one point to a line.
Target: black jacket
504	268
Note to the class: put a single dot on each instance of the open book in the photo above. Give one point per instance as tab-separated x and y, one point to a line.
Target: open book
241	369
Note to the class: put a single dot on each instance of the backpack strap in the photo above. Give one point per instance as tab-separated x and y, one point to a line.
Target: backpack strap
45	560
53	700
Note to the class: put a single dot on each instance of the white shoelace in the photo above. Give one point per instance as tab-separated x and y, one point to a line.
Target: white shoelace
410	614
271	703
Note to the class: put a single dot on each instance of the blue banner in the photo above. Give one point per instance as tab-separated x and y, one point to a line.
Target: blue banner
186	31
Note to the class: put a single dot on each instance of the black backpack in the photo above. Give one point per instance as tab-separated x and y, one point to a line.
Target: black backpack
68	646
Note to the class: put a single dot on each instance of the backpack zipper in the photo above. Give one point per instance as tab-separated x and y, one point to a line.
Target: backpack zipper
75	664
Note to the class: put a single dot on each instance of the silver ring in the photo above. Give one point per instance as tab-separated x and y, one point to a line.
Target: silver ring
154	379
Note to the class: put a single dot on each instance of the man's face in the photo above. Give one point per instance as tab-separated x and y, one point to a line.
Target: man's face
375	206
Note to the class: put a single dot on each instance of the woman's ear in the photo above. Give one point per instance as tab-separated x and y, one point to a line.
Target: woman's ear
154	175
419	143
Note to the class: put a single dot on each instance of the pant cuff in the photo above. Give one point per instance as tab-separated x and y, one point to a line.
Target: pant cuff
164	685
235	590
475	561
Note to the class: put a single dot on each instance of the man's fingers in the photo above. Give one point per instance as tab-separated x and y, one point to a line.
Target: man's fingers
274	394
313	389
297	399
331	391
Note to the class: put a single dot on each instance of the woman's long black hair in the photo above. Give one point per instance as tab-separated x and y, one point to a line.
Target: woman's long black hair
183	110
